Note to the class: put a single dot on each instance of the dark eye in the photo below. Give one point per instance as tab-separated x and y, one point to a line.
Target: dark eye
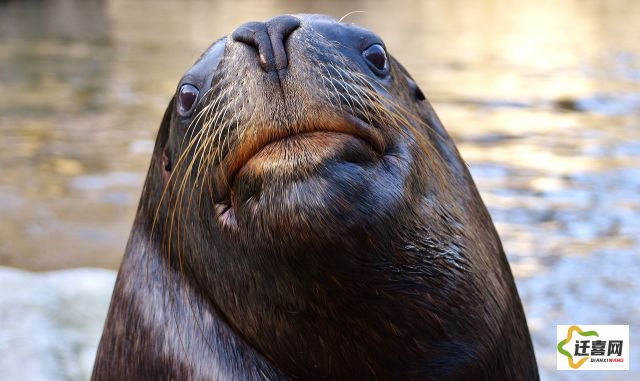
187	99
376	56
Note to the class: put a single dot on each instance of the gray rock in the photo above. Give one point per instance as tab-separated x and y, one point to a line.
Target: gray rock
50	323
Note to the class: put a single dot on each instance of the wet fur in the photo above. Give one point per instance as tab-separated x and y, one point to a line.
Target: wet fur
394	271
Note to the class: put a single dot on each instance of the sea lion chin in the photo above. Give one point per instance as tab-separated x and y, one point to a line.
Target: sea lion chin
306	216
314	165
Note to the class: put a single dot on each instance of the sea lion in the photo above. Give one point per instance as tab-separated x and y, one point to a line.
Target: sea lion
306	216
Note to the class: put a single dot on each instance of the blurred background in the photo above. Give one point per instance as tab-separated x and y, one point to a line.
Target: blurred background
542	99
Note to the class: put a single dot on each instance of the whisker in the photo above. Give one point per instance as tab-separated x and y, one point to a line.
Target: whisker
349	14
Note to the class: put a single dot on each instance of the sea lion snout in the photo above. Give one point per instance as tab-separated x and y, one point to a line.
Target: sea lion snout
269	38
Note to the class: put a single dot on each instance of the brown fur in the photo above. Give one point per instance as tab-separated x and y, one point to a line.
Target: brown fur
312	220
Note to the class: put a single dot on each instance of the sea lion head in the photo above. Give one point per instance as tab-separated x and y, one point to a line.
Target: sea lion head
302	124
304	185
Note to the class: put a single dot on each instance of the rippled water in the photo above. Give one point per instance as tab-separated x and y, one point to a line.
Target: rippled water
542	98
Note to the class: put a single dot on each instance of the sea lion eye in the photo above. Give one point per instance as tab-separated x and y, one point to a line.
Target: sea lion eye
376	56
187	99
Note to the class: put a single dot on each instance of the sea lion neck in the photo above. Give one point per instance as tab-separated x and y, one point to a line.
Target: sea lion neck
335	302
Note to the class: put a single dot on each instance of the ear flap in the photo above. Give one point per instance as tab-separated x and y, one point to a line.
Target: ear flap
154	183
163	133
425	111
436	131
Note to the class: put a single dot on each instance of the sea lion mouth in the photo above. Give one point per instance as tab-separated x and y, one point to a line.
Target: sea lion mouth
346	138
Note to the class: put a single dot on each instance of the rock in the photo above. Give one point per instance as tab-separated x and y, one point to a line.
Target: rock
50	323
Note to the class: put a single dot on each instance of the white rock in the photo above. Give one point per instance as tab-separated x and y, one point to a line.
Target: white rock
50	323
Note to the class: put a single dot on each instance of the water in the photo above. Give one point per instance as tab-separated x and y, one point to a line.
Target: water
542	99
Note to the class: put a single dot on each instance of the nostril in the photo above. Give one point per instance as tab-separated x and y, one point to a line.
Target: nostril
255	34
280	28
269	38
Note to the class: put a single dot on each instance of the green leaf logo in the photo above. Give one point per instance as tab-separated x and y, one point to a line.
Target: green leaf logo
570	331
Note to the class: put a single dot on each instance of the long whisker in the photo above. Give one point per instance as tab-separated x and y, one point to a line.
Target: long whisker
349	14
